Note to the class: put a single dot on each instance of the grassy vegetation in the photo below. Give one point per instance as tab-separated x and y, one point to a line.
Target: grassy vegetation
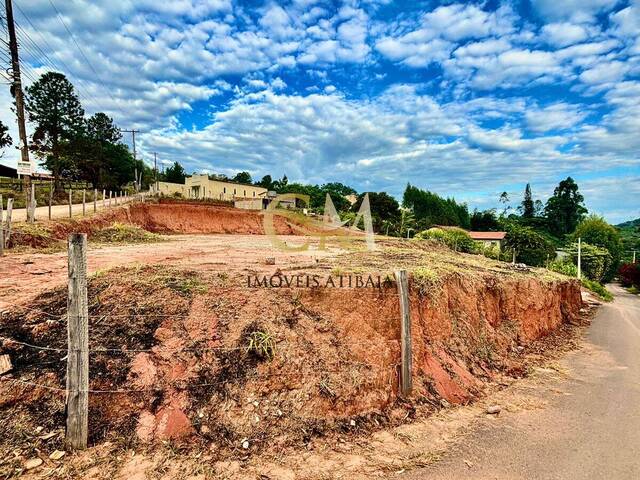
124	233
262	344
598	289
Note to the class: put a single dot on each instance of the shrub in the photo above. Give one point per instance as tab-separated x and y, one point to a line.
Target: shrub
594	230
530	247
455	238
564	266
633	290
595	260
261	344
598	289
629	274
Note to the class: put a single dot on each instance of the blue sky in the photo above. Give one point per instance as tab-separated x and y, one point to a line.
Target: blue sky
466	99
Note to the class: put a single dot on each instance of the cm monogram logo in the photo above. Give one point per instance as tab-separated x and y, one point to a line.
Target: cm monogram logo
328	226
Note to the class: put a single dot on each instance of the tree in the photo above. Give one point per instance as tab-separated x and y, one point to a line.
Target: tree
431	209
5	139
242	177
530	247
53	106
527	206
565	209
485	221
91	150
385	209
266	182
596	231
175	173
504	200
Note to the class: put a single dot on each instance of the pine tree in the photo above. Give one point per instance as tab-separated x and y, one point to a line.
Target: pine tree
528	207
54	108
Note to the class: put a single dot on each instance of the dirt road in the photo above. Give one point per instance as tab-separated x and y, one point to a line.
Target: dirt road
589	426
24	275
62	211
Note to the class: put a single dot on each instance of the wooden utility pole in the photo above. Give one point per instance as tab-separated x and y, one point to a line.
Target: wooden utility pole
77	402
155	171
17	93
406	381
135	158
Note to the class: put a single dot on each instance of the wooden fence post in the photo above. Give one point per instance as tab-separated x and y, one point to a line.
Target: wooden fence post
50	199
77	402
95	200
84	202
1	228
406	381
109	198
70	200
8	229
104	200
32	204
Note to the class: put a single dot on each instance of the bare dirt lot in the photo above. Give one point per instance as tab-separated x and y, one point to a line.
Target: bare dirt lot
208	375
23	276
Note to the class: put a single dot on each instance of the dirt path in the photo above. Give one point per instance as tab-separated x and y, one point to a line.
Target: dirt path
24	275
61	211
589	426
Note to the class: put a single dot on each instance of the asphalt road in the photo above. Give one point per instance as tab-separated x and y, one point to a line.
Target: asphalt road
589	427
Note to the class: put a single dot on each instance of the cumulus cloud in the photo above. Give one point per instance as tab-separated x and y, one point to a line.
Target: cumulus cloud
450	97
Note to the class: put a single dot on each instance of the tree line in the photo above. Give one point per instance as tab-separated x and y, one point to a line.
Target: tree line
71	145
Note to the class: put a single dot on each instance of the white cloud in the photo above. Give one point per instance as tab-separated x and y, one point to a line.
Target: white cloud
558	116
564	34
576	10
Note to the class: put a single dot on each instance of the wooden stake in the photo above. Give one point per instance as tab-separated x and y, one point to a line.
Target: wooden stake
84	202
50	199
109	198
77	404
95	200
70	199
8	229
104	194
406	381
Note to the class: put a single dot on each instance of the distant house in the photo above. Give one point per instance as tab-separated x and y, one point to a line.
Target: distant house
490	239
201	187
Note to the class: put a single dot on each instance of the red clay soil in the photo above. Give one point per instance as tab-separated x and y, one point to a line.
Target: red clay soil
164	217
335	359
190	218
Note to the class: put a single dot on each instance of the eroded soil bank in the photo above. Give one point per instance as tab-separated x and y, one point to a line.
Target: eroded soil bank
165	216
203	360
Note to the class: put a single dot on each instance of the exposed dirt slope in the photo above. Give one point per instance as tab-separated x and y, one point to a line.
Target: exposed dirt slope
192	363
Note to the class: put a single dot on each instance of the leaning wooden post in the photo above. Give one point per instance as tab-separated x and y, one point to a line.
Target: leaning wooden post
406	382
70	200
95	200
8	229
1	228
77	403
84	202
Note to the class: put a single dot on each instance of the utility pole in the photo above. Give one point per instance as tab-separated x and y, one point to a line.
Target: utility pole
135	158
155	171
579	258
17	93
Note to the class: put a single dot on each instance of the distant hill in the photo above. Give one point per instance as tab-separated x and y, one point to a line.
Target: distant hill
629	224
630	235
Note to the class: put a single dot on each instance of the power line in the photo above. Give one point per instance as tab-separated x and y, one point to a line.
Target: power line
81	51
52	64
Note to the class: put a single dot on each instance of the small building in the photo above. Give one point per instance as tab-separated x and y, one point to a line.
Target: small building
490	239
199	186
